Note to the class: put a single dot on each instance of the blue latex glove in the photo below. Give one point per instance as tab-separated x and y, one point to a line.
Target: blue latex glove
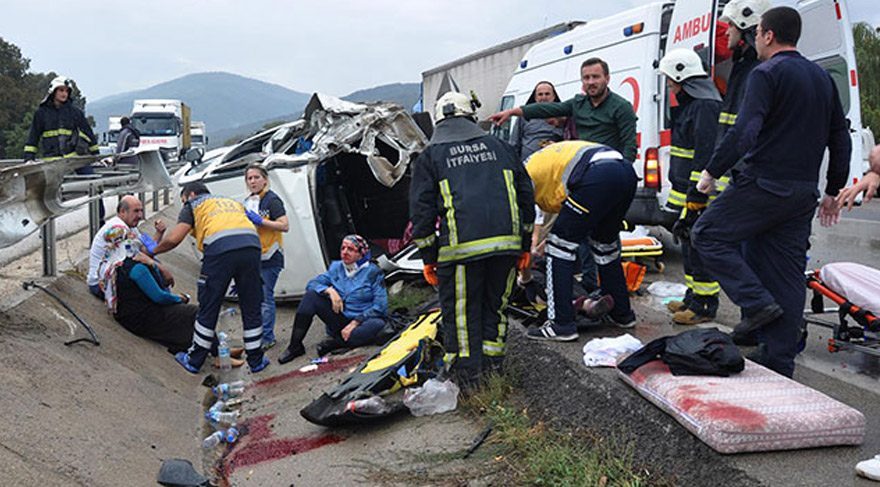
148	242
254	217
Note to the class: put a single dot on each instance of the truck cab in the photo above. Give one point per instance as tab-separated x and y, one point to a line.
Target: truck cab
199	135
163	125
108	142
633	42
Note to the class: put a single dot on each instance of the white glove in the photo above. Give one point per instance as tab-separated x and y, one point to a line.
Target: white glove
707	183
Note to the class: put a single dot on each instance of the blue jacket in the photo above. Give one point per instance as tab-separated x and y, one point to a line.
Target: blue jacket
363	294
791	112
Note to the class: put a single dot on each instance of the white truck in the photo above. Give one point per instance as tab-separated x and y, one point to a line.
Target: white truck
108	145
163	125
632	42
198	134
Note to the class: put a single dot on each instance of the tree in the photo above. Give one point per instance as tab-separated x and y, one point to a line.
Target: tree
867	44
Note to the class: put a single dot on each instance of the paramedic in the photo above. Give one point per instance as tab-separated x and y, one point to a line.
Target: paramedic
591	187
477	187
781	139
693	138
231	249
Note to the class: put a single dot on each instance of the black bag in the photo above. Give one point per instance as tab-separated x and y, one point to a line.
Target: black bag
704	351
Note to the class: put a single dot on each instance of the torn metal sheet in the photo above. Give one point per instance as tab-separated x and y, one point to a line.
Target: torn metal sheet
33	192
340	169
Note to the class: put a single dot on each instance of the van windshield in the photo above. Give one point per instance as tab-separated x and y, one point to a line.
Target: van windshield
152	126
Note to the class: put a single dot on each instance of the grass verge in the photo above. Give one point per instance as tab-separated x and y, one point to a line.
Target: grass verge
538	455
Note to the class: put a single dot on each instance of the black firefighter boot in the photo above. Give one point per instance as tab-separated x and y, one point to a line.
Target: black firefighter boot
301	324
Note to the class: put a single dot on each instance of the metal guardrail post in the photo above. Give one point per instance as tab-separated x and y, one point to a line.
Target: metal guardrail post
94	214
155	200
143	197
47	234
167	197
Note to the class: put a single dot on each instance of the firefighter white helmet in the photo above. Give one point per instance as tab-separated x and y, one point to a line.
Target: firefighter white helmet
681	64
744	14
453	104
60	81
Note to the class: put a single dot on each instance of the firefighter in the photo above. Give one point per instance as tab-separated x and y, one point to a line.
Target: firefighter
475	185
231	250
59	130
781	140
694	123
591	187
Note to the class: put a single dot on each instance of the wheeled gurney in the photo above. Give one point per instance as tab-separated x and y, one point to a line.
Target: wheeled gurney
855	290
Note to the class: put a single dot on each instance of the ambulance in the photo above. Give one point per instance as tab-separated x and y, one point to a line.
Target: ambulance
632	42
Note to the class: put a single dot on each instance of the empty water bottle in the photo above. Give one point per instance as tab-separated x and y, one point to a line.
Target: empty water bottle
213	439
223	353
219	416
370	405
220	436
229	390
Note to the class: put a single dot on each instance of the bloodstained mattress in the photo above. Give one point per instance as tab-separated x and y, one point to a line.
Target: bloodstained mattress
755	410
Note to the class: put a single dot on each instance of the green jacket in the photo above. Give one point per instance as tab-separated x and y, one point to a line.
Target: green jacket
612	123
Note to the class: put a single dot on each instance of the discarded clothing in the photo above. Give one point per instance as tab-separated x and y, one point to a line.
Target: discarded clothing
705	351
604	352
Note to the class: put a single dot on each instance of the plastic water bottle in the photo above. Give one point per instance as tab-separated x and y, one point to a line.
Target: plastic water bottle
218	416
228	390
223	353
220	436
213	439
320	360
370	405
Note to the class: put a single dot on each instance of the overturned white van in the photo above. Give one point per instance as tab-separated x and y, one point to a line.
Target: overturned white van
340	169
632	42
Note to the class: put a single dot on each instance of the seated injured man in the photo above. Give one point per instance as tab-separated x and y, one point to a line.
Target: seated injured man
138	296
350	299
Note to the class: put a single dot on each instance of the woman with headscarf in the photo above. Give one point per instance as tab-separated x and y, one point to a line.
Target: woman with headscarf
530	136
138	297
266	211
350	299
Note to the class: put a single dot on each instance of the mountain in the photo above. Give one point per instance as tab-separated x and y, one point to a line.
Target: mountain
221	100
234	107
404	94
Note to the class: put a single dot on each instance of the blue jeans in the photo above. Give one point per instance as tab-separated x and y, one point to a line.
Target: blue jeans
320	305
267	307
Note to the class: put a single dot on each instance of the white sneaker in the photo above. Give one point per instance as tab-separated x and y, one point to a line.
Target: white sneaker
869	468
547	332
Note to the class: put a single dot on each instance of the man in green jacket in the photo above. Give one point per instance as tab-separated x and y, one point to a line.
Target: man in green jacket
600	116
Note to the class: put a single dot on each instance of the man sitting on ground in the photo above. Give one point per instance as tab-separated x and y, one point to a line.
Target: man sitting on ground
129	212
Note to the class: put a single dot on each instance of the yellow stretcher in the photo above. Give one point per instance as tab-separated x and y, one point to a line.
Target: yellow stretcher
642	249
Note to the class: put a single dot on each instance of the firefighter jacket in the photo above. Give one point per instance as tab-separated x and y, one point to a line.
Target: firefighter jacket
551	168
59	131
744	60
694	128
474	183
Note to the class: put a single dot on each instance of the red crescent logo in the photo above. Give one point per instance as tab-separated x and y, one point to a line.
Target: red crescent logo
635	87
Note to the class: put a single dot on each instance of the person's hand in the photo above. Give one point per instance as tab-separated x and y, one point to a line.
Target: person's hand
500	117
160	227
829	211
707	183
185	298
868	184
335	300
524	262
346	332
166	276
254	217
430	273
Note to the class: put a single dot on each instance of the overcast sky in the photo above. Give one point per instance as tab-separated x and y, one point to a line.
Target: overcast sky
334	46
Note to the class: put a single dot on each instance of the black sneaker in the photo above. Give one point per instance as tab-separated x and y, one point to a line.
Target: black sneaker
548	332
626	322
759	319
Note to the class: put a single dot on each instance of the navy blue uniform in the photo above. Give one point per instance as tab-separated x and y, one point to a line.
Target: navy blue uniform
791	112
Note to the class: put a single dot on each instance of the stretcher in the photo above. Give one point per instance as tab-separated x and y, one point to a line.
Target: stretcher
855	291
641	249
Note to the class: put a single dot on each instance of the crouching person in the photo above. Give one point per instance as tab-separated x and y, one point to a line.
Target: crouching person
231	249
137	295
350	299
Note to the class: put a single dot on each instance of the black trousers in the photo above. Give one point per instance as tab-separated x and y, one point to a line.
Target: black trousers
473	300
